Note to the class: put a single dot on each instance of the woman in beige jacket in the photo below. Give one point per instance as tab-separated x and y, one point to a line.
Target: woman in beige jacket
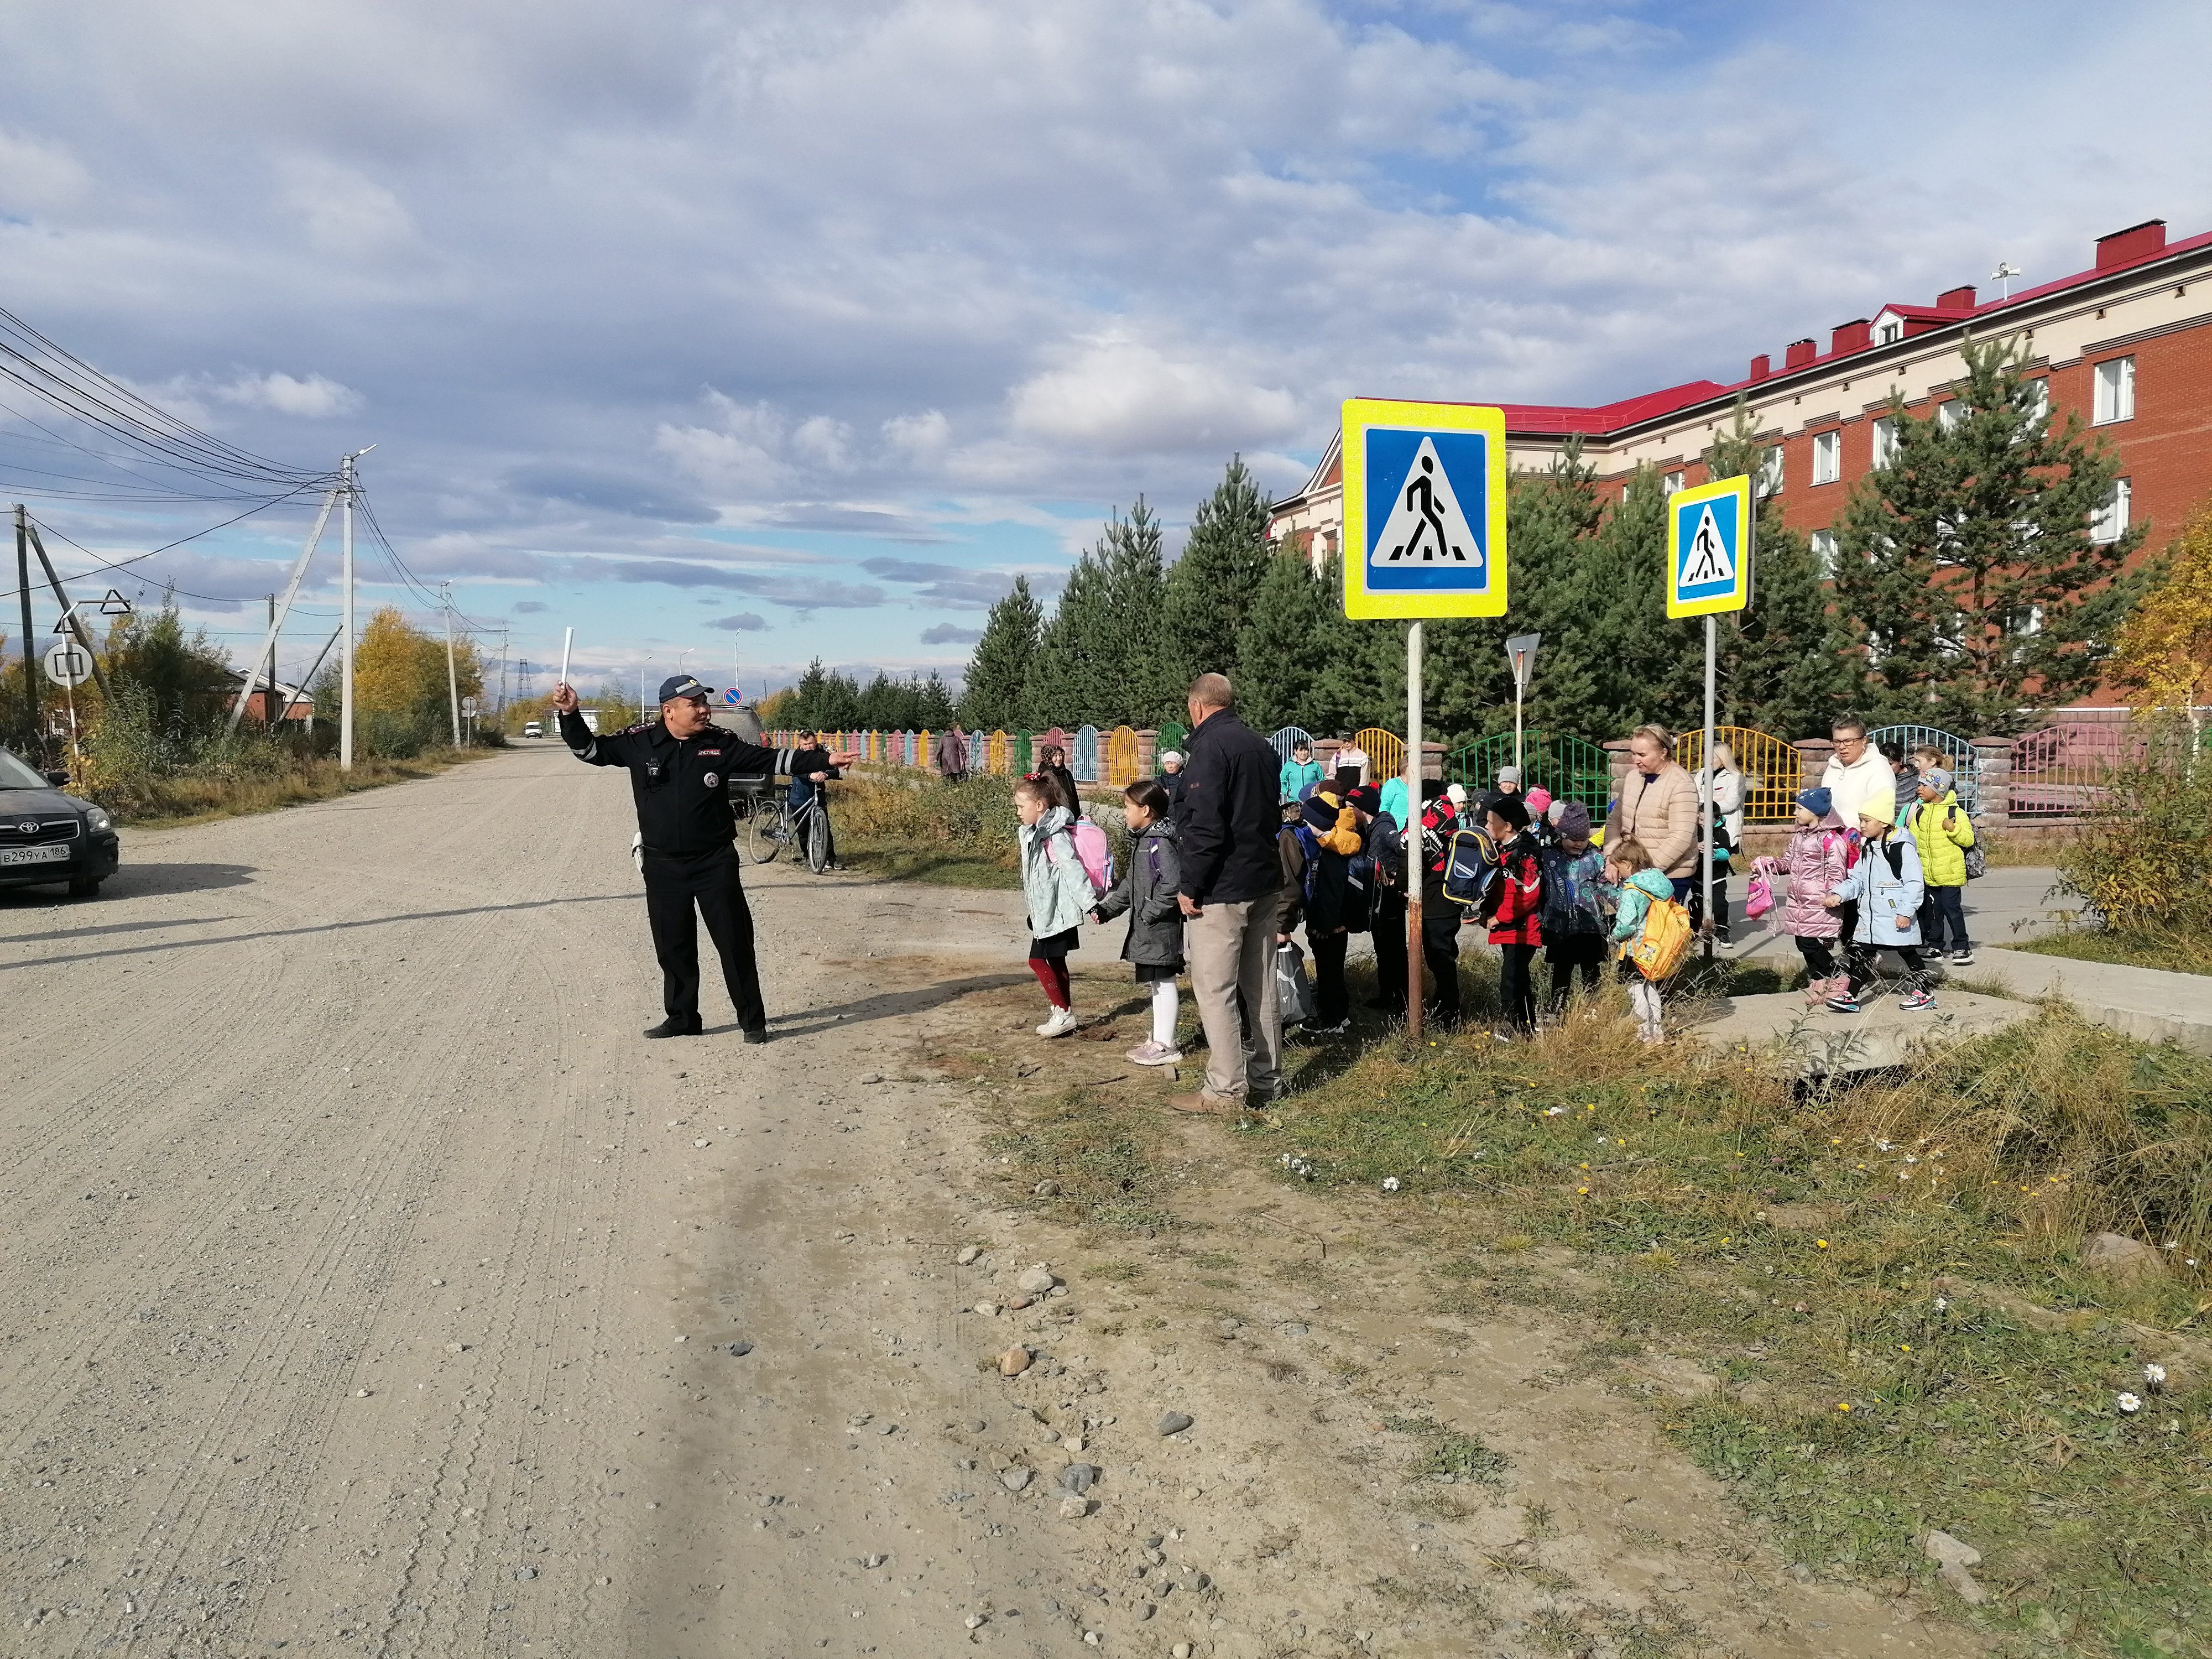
1658	808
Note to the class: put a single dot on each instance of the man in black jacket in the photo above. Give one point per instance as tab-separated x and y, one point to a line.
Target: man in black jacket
679	766
810	769
1231	896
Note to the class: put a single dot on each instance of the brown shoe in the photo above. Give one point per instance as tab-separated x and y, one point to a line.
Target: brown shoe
1205	1105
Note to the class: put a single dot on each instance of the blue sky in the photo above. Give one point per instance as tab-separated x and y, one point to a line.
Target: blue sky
772	331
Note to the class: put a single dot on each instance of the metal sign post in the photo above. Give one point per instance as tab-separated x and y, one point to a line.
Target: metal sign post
1711	533
1521	652
70	664
1424	536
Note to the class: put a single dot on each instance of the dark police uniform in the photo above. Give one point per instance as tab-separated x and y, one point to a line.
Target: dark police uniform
684	813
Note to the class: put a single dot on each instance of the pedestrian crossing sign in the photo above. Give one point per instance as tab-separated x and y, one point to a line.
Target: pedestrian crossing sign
1424	509
1709	547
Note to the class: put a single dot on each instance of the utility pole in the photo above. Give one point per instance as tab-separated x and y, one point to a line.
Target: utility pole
452	684
30	660
269	714
84	634
345	628
501	706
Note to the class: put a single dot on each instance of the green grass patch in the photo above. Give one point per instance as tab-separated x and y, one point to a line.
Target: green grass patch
1099	1162
1882	1284
1462	1457
935	864
2174	952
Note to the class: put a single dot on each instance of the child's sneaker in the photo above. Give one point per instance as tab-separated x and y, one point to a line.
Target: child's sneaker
1846	1004
1061	1023
1960	958
1912	999
1149	1053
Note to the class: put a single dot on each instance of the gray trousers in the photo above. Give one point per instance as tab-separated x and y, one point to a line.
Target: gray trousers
1231	951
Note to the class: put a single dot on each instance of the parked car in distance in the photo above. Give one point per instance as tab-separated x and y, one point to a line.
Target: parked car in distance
47	835
532	729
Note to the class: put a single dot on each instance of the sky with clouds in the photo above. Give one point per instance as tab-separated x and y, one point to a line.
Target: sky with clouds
774	330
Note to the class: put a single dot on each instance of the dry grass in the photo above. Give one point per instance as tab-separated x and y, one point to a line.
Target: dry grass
166	802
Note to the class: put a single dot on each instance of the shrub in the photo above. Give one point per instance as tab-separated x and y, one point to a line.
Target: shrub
2144	862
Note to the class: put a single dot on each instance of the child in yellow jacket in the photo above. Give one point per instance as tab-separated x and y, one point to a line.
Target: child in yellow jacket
1942	832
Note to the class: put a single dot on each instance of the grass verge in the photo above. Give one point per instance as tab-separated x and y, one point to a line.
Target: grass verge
170	802
1879	1287
2173	951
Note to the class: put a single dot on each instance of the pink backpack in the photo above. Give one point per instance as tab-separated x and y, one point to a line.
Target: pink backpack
1091	845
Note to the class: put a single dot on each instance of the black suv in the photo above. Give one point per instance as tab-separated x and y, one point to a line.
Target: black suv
48	836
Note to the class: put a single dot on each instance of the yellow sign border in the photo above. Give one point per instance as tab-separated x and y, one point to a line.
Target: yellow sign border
1746	545
1359	414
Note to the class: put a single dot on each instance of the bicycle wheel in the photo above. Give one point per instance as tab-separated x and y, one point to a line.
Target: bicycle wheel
762	839
817	831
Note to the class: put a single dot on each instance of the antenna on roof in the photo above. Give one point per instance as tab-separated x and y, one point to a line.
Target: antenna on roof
2004	274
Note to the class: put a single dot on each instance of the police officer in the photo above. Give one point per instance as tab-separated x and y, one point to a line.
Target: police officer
678	768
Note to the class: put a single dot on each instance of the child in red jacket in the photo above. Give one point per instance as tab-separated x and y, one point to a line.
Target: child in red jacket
1514	905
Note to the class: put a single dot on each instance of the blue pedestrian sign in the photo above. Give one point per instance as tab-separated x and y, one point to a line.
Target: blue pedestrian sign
1424	509
1709	547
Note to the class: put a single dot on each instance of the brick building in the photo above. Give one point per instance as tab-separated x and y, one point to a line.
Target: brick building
2128	343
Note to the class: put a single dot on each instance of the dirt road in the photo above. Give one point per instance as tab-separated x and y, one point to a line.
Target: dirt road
372	1288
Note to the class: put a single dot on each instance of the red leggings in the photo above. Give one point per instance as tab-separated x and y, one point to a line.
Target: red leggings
1052	974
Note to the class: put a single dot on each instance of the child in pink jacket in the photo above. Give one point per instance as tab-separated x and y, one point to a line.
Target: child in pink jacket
1816	859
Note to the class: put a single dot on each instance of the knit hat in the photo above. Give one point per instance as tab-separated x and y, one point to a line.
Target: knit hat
1558	809
1174	755
1818	802
1367	798
1320	812
1540	799
1509	774
1512	809
1574	821
1935	778
1457	791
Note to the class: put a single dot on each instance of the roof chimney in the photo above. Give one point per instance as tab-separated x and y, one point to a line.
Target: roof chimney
2136	242
1851	336
1956	299
1761	367
1799	354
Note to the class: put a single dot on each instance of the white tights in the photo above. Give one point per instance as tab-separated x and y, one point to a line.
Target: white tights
1167	1003
1643	997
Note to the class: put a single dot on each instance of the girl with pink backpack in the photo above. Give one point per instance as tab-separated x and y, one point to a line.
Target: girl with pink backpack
1819	856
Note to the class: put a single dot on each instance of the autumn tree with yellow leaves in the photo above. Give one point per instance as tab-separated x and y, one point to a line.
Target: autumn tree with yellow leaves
2164	650
399	689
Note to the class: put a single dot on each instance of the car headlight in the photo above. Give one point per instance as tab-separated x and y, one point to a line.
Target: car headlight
101	823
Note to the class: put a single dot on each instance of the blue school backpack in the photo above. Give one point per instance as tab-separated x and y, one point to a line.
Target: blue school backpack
1470	864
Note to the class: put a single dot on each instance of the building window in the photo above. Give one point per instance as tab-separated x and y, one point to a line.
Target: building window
2116	391
1891	333
2110	522
1885	440
2035	404
1824	553
1951	416
1770	471
1827	457
1673	481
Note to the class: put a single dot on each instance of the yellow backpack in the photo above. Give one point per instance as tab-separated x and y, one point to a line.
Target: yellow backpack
1659	949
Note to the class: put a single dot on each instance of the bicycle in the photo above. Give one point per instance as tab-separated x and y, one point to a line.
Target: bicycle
773	824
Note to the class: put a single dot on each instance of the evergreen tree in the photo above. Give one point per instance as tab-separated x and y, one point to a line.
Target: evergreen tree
1969	571
1068	677
1216	580
1139	686
933	706
1782	667
997	684
1291	612
806	698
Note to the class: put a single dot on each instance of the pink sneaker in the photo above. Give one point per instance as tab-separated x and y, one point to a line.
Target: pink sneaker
1149	1053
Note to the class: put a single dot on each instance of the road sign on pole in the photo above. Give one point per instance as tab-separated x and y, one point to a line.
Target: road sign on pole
1712	540
1711	530
1424	509
732	696
1424	536
1521	652
68	663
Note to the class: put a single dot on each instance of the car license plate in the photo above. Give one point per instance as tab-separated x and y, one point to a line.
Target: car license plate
56	853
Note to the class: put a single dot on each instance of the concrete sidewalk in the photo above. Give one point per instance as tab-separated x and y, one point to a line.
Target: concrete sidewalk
2144	1003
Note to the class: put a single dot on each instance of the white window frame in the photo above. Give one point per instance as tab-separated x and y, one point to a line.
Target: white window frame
2116	391
2110	522
1824	553
1770	476
1951	414
1827	457
2038	409
1885	440
1890	333
1673	481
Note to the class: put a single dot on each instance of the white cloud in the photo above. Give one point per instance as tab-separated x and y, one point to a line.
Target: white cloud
346	215
314	398
1120	395
38	175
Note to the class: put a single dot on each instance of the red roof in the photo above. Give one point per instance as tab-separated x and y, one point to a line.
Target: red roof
1555	420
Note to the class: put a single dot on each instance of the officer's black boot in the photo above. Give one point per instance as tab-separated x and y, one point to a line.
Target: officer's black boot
673	1027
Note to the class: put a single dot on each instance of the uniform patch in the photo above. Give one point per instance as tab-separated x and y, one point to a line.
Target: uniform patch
710	751
711	780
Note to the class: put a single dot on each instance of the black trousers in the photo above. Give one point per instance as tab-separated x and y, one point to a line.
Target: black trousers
1390	950
1331	1002
1860	960
707	881
1570	954
1516	993
1440	925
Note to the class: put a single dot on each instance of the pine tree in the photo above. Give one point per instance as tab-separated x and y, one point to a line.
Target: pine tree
1068	682
1216	580
1969	571
932	705
997	682
1783	667
1291	613
1137	685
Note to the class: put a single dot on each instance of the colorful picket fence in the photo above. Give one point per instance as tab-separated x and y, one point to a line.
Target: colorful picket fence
1386	752
1289	738
1570	768
1958	756
1121	756
1773	771
1083	761
1173	735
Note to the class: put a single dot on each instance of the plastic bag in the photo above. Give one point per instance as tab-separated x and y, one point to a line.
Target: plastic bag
1293	997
